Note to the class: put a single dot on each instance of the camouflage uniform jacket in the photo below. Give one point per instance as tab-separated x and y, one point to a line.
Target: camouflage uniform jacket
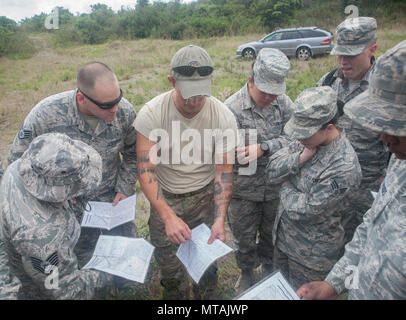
38	234
9	285
269	122
371	151
1	170
59	113
308	224
377	253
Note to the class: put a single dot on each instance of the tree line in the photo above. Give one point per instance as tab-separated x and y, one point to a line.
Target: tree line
167	20
170	20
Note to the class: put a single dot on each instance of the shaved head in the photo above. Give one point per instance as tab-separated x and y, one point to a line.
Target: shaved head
93	72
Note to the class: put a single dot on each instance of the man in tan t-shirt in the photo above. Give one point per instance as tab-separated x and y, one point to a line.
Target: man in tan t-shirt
185	150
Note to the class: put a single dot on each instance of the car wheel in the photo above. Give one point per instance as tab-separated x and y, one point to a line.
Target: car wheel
249	53
303	53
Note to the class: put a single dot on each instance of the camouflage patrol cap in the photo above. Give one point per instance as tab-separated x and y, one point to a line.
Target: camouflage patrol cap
354	35
194	85
312	109
56	168
382	108
270	70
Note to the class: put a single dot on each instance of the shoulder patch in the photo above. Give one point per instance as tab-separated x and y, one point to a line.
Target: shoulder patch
41	266
24	134
334	185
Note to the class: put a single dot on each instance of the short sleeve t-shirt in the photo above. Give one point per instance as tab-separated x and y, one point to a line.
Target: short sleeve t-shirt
188	149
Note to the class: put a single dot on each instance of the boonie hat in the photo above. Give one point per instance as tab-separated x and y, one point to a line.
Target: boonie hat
354	35
195	84
382	108
56	168
312	109
270	70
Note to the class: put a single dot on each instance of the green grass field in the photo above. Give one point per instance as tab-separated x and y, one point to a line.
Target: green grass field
142	67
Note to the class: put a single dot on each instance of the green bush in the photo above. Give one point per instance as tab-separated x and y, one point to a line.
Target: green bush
65	36
15	44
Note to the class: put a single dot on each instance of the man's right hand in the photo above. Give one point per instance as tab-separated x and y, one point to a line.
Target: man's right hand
176	230
306	155
316	290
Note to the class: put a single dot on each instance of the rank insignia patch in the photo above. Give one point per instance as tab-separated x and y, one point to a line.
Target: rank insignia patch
40	265
24	134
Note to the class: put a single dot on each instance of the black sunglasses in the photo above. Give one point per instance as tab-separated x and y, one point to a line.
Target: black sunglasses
104	105
188	71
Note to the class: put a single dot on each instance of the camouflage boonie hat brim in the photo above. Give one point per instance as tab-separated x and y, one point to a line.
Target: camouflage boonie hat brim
382	108
56	168
354	35
194	85
270	70
312	109
296	131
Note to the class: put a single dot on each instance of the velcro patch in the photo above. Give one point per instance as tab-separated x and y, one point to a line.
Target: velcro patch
24	134
334	185
40	265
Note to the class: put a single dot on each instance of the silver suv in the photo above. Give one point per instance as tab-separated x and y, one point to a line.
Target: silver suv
301	43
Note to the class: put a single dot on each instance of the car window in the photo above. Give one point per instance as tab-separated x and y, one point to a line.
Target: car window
289	35
274	36
312	33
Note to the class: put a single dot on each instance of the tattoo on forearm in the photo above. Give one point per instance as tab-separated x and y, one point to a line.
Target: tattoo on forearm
143	157
222	194
227	177
146	170
217	189
159	193
217	213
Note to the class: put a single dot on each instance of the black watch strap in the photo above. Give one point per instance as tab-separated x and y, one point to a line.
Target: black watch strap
264	147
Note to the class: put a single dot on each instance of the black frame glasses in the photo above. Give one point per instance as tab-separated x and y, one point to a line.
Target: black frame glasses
188	71
104	105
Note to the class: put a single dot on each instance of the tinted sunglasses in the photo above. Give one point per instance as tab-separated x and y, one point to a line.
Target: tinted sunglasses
188	71
104	105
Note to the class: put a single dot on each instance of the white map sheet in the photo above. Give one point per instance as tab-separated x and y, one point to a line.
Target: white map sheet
125	257
104	216
196	255
273	287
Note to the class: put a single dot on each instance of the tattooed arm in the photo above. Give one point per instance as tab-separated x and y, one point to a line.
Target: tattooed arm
223	190
176	229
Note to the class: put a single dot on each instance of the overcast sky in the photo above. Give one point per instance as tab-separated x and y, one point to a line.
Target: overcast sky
19	9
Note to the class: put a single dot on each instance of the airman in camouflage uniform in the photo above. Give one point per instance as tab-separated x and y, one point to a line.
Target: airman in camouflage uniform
263	106
374	263
1	170
107	127
355	48
38	226
318	171
9	284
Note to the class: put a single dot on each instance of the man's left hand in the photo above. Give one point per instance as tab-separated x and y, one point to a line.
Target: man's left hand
217	231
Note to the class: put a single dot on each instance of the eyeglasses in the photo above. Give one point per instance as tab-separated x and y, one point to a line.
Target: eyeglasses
104	105
188	71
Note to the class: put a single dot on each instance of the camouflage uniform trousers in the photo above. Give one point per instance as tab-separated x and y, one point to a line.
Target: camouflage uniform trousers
193	208
247	218
295	273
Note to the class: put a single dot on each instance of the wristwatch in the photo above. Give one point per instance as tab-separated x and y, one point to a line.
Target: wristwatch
264	147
